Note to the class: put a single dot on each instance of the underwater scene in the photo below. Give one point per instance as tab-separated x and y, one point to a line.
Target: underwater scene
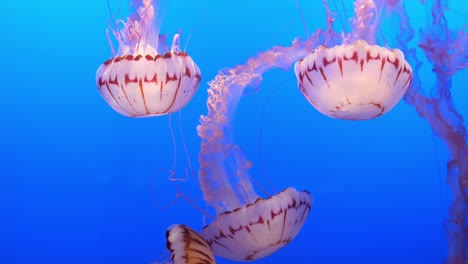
202	131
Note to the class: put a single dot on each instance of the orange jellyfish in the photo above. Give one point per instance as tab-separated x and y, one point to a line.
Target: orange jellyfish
187	246
145	78
355	80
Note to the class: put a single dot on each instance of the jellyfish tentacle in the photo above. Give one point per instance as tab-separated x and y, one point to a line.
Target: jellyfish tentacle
446	50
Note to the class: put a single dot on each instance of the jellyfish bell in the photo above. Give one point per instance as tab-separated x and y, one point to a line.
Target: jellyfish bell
187	246
356	81
145	78
353	78
259	229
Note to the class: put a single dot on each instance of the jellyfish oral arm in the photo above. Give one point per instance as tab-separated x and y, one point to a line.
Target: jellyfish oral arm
365	22
139	34
446	50
219	156
247	227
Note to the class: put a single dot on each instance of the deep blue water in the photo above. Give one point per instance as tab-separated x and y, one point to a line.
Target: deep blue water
79	181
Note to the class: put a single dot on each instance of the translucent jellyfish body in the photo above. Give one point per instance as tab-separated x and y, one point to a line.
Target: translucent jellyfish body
145	78
356	81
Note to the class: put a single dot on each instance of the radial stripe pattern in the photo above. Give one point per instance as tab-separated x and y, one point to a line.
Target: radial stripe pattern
187	246
259	229
142	86
356	82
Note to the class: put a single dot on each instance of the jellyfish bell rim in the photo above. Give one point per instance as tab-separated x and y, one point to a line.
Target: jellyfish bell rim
137	57
359	42
337	88
269	210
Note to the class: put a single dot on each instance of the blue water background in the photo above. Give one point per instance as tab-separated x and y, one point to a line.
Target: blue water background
79	181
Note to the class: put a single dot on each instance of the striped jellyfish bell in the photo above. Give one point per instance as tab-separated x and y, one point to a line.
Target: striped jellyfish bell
354	82
259	229
145	78
187	246
145	85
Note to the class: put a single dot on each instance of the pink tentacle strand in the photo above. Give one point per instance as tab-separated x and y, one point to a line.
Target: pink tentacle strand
219	153
446	50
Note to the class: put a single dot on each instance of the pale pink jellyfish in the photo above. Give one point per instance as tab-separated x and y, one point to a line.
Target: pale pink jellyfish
259	229
145	78
187	246
246	226
354	80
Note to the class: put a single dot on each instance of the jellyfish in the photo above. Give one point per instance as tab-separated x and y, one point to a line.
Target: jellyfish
145	78
246	227
187	246
355	80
